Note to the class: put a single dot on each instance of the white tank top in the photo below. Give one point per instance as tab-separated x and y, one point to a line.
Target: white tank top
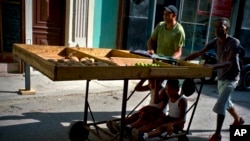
174	109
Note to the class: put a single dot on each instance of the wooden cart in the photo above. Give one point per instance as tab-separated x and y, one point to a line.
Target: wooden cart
60	63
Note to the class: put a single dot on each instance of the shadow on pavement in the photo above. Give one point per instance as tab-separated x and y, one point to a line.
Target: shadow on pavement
41	126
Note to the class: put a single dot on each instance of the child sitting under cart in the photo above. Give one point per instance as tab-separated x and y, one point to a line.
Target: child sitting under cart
139	116
174	120
150	117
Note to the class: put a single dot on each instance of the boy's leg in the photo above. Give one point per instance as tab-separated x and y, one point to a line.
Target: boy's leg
137	124
148	133
237	119
134	117
149	126
157	132
220	120
149	117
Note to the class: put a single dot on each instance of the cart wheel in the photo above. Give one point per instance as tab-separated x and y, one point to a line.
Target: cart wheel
183	138
78	132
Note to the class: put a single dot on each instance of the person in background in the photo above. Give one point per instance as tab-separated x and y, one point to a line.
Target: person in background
168	38
227	50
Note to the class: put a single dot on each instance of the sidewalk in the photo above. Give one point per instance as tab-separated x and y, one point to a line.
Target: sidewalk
48	114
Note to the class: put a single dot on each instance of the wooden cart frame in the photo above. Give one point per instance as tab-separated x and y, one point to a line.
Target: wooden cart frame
38	56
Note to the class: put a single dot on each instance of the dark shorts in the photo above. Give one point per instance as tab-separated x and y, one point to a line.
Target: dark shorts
150	113
177	127
169	119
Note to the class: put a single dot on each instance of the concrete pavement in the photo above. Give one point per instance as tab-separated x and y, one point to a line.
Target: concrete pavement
48	114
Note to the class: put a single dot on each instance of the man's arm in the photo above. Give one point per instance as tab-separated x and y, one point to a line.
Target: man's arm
177	53
227	63
195	54
182	107
151	45
141	87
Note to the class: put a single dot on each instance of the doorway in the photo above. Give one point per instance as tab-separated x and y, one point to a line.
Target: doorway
49	22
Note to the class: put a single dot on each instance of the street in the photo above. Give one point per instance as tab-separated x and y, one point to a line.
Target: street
47	115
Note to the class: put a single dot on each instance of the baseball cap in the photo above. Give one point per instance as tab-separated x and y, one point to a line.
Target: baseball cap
171	9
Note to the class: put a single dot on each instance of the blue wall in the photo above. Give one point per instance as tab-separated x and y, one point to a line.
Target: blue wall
105	23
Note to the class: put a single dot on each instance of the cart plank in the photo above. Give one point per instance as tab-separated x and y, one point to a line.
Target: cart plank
39	56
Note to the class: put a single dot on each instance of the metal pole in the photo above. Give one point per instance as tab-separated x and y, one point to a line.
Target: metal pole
27	76
85	119
124	104
195	105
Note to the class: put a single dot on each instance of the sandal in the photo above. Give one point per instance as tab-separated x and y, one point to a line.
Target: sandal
240	122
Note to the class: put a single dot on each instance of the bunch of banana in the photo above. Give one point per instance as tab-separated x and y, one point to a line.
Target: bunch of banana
141	64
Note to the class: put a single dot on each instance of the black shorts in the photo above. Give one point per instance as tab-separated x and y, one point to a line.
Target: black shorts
150	113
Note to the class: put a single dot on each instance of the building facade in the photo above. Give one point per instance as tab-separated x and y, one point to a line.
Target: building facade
112	23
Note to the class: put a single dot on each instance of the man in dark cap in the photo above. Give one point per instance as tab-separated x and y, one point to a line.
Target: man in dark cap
168	38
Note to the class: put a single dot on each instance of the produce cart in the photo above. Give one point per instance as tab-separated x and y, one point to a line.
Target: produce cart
60	63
